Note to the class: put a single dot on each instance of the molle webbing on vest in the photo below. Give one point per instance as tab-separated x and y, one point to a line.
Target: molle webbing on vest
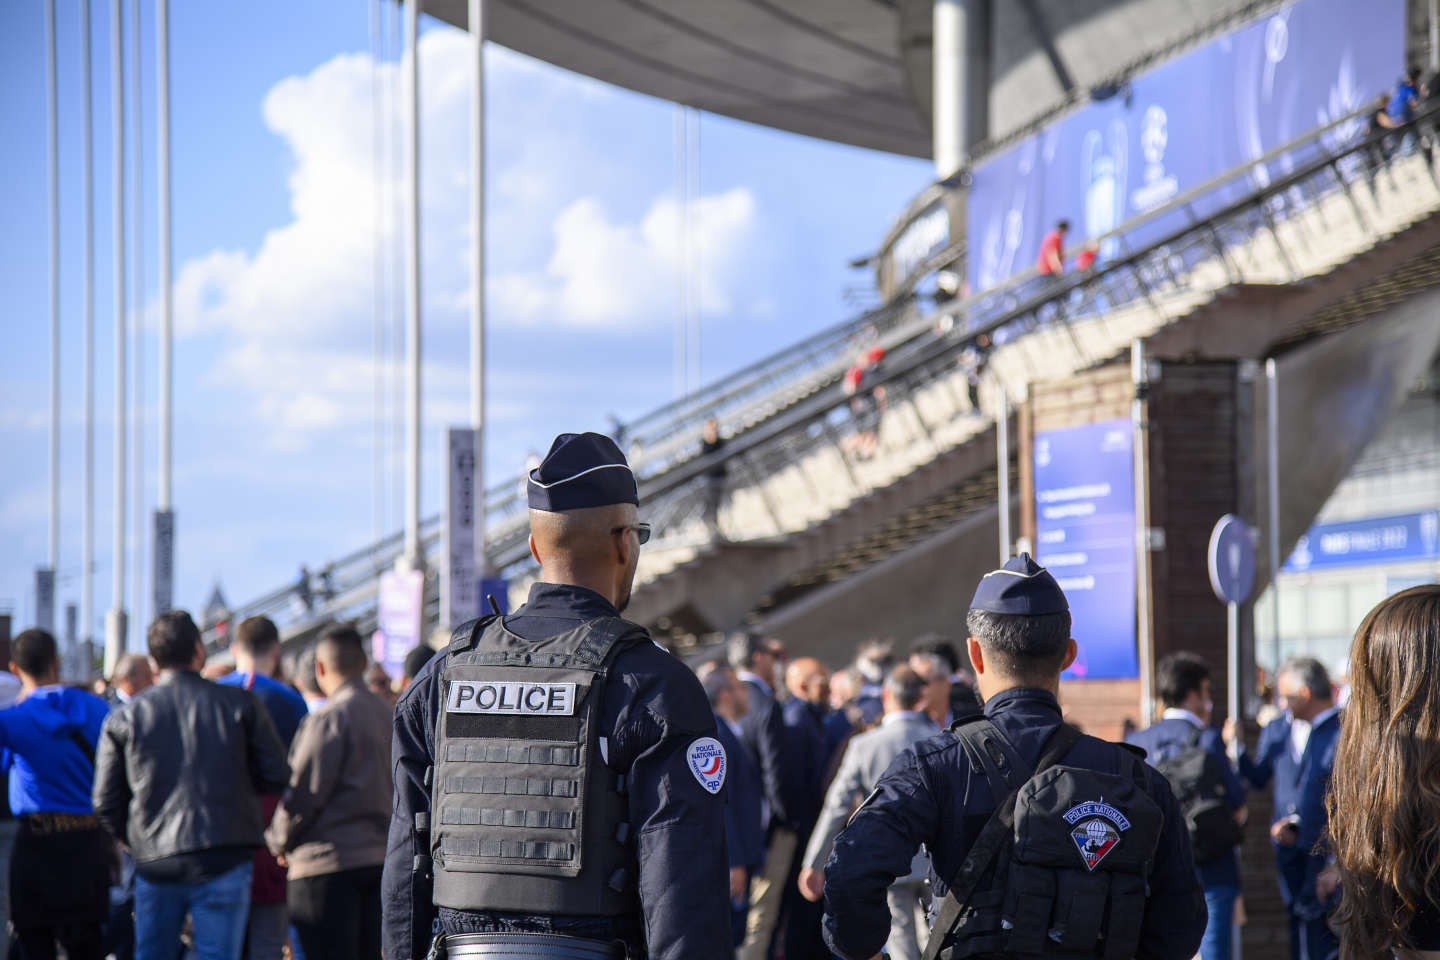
1062	867
528	817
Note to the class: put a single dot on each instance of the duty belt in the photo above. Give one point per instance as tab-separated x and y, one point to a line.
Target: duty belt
59	822
525	946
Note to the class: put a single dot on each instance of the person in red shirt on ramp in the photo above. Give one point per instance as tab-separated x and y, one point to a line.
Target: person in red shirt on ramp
1050	262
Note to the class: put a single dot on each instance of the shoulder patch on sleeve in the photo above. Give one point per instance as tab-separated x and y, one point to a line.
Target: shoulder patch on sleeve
706	759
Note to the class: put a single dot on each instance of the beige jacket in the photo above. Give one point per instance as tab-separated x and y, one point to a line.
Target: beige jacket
336	811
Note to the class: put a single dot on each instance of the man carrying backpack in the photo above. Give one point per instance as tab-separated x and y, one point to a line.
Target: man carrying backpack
1190	753
1045	842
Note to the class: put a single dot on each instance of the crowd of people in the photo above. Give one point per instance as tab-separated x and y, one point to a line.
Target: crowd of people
553	779
236	817
213	821
806	746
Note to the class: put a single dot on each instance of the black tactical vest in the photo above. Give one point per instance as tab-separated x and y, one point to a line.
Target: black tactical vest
526	817
1062	868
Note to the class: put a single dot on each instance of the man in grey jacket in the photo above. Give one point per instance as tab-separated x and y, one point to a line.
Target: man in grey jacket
331	825
866	757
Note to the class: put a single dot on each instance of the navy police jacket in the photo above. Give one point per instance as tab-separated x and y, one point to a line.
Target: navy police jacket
930	795
1300	789
1165	739
653	709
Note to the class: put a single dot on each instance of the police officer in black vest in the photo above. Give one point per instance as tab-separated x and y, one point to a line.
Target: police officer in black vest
1044	842
557	778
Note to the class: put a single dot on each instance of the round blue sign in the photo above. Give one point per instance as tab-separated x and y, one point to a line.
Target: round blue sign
1231	560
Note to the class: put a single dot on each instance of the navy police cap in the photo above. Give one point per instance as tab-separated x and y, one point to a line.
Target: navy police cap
1021	588
581	470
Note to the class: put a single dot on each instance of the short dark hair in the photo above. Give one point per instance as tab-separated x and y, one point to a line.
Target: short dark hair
906	686
416	659
717	680
257	636
1180	675
35	651
172	639
342	650
1063	225
1310	673
1029	648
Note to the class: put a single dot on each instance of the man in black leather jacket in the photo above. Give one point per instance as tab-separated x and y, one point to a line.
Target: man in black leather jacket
178	777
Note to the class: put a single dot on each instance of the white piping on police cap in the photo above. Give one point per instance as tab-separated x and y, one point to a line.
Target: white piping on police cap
577	476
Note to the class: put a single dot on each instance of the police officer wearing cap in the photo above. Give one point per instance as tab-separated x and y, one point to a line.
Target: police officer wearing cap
557	777
942	793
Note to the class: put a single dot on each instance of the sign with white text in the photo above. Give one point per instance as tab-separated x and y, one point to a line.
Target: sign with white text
1085	535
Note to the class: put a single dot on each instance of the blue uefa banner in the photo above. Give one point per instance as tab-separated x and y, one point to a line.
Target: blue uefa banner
1187	121
1085	535
1398	539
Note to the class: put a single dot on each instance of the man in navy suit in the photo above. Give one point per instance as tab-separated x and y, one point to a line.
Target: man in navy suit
1297	750
763	732
744	832
1183	682
802	783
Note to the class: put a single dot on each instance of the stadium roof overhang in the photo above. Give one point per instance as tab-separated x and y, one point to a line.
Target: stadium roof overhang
851	71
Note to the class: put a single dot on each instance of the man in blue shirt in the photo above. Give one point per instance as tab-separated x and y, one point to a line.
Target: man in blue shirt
1183	680
1401	108
60	867
256	648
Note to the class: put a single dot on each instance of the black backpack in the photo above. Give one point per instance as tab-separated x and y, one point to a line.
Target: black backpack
1062	867
1197	778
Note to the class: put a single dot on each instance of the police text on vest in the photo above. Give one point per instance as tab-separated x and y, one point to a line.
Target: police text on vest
481	696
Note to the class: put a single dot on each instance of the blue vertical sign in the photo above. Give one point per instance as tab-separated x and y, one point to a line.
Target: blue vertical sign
1085	535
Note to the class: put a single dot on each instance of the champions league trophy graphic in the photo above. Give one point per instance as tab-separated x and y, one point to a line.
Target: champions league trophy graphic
1103	165
1263	90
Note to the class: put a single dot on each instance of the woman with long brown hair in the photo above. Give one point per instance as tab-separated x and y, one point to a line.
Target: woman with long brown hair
1384	802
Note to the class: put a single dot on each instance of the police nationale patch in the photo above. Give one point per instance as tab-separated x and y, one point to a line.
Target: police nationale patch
706	758
1095	827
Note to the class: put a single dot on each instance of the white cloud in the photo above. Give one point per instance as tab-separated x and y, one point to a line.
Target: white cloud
293	316
604	273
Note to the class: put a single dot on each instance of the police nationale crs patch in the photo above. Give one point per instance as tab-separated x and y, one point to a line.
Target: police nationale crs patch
706	759
1095	828
526	699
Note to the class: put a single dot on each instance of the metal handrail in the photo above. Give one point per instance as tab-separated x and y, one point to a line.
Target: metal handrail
1179	203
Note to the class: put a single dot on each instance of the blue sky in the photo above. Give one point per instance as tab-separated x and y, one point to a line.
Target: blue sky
274	227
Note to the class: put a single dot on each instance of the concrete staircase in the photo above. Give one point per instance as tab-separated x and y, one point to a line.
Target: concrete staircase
931	444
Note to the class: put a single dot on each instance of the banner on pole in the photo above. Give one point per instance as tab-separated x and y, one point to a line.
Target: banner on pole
459	598
400	618
45	599
164	587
